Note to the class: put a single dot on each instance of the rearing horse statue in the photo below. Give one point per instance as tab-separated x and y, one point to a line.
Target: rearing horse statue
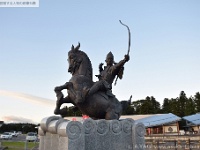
98	105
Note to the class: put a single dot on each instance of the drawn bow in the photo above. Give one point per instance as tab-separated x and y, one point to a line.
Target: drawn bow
120	74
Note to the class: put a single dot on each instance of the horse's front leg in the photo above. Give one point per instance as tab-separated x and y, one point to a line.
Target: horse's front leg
64	86
60	96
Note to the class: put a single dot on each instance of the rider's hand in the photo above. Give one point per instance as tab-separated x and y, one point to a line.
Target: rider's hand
100	65
126	57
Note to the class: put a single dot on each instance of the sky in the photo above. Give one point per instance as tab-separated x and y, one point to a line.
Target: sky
34	42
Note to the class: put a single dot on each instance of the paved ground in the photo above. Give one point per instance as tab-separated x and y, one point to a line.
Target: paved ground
19	138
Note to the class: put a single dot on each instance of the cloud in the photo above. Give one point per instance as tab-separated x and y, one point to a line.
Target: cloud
29	98
16	119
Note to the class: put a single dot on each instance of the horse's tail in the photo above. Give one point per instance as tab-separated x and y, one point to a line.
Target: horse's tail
125	104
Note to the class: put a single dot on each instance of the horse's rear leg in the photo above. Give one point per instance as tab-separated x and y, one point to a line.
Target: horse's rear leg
111	115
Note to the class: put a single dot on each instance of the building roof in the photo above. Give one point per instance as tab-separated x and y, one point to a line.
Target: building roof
136	117
159	119
148	120
194	119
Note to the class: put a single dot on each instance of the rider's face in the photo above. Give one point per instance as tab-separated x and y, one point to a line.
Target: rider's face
109	61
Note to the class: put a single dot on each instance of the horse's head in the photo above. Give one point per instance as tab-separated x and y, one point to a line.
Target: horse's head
79	63
74	59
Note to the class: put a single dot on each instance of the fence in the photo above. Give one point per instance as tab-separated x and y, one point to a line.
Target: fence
172	143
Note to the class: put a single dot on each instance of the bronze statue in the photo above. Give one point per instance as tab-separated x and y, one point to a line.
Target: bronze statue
107	75
93	99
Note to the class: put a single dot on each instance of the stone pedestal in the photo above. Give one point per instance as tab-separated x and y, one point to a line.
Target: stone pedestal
60	134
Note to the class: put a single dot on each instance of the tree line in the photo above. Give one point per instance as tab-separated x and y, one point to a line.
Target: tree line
180	106
23	127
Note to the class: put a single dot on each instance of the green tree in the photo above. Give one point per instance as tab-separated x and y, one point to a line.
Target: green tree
182	99
166	108
23	127
149	105
129	111
174	106
190	105
146	106
74	111
197	102
155	105
136	105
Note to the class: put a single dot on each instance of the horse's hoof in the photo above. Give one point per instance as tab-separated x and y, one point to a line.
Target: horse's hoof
57	89
64	112
56	111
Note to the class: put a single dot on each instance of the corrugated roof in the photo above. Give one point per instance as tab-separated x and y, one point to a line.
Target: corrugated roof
136	117
194	119
159	119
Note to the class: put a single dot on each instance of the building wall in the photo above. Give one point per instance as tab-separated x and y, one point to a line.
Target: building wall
170	129
163	129
196	129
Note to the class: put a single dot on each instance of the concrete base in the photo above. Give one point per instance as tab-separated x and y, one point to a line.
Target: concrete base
60	134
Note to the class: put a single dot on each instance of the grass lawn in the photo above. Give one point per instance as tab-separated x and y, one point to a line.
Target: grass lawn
18	145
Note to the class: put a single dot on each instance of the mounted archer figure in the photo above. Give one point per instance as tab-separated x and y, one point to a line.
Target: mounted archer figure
93	99
107	75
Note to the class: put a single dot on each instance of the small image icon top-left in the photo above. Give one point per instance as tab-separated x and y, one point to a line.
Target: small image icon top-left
19	3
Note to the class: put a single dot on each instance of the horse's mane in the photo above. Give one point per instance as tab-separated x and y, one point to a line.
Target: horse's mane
83	55
83	60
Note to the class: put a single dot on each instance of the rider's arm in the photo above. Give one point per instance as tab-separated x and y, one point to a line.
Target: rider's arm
119	65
